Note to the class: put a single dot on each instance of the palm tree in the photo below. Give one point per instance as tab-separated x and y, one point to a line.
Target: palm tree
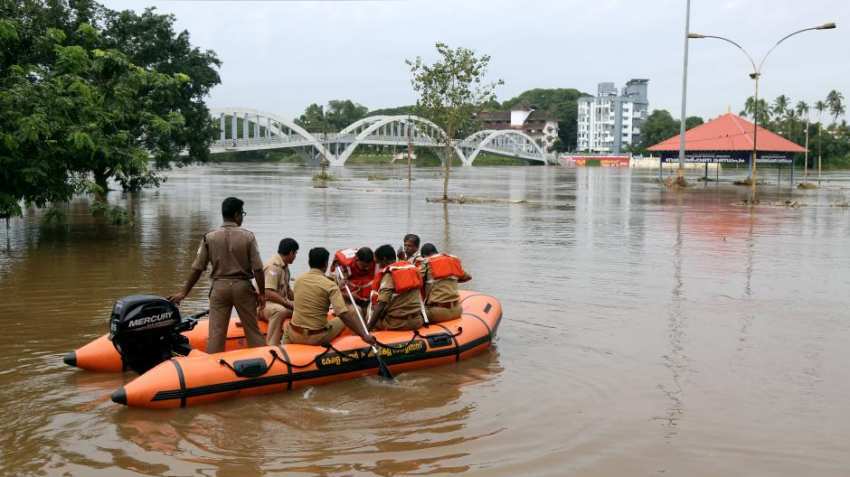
802	109
835	102
750	109
820	107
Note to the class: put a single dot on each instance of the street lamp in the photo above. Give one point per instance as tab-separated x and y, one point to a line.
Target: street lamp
755	75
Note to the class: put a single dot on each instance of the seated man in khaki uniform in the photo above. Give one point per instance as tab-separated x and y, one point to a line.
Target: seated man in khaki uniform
441	273
279	294
233	254
399	306
315	293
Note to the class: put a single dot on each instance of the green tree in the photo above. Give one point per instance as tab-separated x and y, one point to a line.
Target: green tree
659	125
562	103
835	103
451	91
762	109
820	107
802	110
313	119
338	114
692	122
74	106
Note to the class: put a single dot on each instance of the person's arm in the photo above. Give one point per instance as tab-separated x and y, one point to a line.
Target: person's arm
187	287
259	276
275	297
261	284
353	322
348	315
378	312
202	258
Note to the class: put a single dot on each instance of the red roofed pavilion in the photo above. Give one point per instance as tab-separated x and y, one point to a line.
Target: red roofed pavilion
728	138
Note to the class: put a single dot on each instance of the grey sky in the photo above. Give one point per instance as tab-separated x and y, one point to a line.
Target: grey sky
279	56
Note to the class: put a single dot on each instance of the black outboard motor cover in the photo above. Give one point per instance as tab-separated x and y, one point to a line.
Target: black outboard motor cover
143	329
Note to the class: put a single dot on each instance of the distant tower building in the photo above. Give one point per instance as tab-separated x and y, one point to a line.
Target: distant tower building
609	121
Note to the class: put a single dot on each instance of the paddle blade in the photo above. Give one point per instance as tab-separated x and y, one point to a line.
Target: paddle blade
383	370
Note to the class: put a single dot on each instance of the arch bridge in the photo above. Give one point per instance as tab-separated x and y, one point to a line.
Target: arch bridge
243	129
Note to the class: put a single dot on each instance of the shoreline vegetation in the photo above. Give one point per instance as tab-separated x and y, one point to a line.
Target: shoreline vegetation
424	158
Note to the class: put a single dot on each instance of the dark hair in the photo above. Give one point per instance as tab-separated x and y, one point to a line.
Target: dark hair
318	258
286	246
428	249
413	238
385	253
230	207
365	255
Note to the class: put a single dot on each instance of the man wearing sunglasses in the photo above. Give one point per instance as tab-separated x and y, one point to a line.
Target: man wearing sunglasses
235	259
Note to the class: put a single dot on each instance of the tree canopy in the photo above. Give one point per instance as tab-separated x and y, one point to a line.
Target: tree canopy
561	103
660	125
339	114
89	93
451	91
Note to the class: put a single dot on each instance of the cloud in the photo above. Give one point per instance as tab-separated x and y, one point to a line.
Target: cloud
280	55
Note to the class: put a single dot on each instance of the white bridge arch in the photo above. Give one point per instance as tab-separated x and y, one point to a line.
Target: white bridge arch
244	129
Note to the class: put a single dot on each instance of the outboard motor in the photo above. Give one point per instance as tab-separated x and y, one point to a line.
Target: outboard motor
145	329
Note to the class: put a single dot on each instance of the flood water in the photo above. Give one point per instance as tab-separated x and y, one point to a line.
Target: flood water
645	332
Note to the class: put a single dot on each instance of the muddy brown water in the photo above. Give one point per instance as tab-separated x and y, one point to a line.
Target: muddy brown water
645	332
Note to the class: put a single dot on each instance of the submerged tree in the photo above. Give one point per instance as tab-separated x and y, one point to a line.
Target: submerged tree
88	93
451	91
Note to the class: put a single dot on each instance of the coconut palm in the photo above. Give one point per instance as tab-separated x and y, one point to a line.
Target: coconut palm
802	110
820	107
762	110
835	103
780	111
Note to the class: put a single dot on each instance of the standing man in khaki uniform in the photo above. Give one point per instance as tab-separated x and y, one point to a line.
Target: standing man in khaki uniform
234	256
395	311
279	294
442	300
315	293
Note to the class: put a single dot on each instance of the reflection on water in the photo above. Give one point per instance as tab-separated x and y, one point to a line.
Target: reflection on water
645	331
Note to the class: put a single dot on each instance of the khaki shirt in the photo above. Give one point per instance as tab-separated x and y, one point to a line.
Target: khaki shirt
232	251
314	295
438	291
276	272
398	306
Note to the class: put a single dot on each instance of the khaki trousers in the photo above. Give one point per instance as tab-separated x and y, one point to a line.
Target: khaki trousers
437	314
334	328
226	293
410	322
275	314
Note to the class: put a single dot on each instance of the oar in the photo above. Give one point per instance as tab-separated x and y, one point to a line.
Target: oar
382	367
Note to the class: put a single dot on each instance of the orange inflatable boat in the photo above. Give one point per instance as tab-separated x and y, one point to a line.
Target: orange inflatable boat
194	377
100	355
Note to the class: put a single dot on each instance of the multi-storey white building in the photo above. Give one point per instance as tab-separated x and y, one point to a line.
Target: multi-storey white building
609	121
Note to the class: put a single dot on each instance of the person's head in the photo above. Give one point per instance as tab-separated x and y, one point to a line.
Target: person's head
231	209
384	255
318	258
411	244
429	249
365	258
288	249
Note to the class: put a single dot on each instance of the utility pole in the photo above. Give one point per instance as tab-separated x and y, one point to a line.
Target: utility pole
409	154
680	179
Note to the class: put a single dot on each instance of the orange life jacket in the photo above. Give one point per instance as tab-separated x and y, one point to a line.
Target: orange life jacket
443	266
359	280
405	277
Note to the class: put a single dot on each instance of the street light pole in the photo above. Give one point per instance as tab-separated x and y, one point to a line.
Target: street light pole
681	172
755	75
